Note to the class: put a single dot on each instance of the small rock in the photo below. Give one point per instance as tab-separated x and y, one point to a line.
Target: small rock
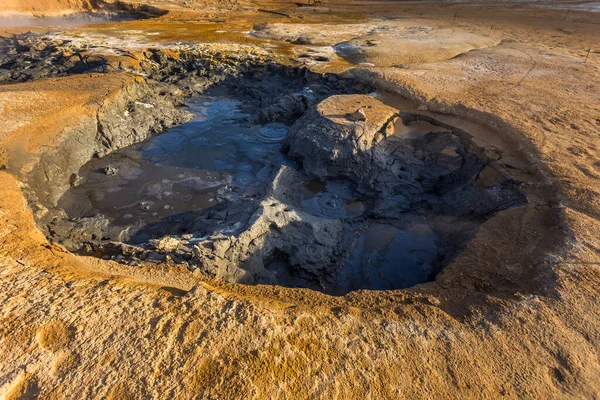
390	128
261	26
358	115
110	170
145	205
302	40
165	245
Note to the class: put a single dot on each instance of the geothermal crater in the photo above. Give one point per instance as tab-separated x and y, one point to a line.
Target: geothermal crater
279	176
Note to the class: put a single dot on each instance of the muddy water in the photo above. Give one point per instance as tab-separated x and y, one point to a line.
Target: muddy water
216	157
379	254
385	256
333	199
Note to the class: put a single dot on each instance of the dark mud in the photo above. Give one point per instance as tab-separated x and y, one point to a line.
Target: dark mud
30	56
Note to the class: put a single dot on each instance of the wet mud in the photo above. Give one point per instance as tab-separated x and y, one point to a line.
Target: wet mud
218	160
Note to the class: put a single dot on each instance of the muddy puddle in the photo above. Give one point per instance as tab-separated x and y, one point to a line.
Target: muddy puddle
388	257
332	199
283	176
209	175
217	158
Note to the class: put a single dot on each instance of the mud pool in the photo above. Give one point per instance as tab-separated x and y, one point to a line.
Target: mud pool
222	194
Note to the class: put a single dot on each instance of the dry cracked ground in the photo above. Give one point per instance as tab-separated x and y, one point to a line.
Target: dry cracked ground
465	132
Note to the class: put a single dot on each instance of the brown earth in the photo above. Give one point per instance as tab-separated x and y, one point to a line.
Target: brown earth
515	315
46	7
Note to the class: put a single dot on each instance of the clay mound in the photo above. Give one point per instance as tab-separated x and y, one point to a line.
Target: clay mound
420	44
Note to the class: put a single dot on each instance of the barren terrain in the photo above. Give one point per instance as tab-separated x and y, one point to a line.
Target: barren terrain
510	90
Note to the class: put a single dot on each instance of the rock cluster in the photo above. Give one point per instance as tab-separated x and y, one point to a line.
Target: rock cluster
30	56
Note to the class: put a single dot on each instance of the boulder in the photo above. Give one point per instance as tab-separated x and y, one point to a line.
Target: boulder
352	137
337	137
286	107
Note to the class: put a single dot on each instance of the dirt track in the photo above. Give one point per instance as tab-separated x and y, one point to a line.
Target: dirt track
515	315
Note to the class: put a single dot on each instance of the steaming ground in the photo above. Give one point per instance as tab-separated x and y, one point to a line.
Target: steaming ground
20	21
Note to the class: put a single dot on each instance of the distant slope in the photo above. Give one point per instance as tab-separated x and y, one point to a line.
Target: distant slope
46	7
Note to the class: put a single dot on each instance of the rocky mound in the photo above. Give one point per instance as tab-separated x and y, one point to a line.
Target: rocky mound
354	149
353	137
336	138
